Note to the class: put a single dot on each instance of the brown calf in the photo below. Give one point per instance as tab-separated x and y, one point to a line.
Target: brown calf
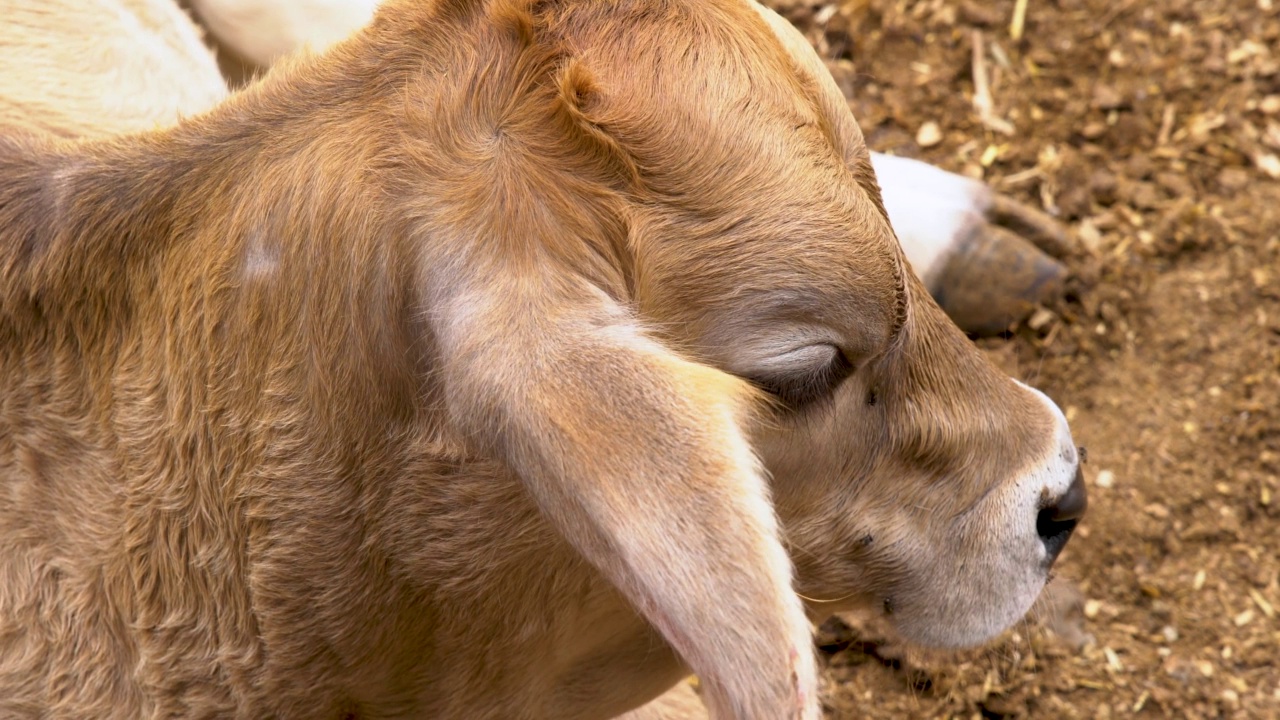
507	361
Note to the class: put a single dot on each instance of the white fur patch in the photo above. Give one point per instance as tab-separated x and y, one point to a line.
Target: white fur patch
261	259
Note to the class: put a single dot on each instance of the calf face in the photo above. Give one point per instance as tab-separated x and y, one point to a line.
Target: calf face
909	473
920	479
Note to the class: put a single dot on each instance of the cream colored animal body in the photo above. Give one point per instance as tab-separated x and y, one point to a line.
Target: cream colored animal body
263	31
92	68
509	360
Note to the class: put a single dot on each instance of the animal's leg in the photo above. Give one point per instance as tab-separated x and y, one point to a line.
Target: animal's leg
986	259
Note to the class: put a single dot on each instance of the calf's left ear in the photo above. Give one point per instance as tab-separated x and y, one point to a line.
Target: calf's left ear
639	458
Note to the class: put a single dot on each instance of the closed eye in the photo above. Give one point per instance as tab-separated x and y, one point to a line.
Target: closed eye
816	380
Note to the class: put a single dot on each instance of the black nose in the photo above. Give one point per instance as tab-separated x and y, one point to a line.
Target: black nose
1056	521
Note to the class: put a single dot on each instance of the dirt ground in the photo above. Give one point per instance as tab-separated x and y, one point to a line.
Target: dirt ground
1153	130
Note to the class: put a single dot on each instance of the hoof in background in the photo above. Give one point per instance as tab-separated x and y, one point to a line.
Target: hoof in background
995	279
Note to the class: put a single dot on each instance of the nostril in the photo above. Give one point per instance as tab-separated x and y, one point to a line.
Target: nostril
1055	522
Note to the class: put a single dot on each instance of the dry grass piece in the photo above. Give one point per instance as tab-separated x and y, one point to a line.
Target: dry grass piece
1019	21
982	101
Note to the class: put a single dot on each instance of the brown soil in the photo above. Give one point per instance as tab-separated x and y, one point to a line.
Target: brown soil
1152	129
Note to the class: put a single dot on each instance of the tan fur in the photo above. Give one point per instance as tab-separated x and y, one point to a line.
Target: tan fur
428	378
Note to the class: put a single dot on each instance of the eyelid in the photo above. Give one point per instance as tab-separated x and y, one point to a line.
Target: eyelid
798	383
803	358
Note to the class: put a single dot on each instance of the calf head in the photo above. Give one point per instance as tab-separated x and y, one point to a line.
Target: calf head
679	278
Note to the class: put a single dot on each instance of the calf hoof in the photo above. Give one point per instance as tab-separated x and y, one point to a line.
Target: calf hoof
995	278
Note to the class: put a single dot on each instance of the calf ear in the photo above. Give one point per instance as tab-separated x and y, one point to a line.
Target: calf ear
639	458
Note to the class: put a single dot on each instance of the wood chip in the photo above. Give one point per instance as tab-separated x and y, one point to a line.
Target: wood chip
1266	607
1166	124
1094	685
1113	660
989	156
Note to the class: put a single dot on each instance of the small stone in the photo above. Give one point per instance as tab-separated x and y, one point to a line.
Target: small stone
1106	97
1269	163
1156	510
1092	608
1205	667
1094	130
1231	697
1243	618
1040	319
929	135
1198	582
1169	633
1089	236
1105	479
1270	105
